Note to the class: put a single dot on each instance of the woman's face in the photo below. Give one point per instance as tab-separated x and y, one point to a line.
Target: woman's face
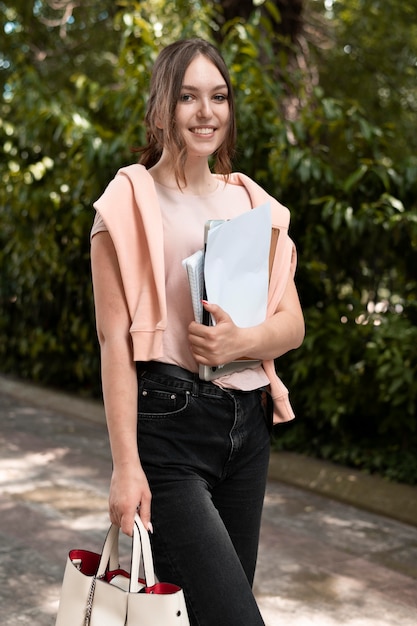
202	114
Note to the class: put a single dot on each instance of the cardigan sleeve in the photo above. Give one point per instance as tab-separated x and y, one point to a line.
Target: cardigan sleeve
129	210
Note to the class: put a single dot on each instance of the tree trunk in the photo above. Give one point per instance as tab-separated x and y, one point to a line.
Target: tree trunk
291	38
291	12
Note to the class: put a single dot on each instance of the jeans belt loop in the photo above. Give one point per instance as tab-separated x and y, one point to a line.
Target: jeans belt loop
196	383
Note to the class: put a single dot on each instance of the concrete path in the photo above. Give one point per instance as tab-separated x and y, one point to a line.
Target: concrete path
322	562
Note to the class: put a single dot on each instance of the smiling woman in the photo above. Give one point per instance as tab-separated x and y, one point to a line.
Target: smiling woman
197	450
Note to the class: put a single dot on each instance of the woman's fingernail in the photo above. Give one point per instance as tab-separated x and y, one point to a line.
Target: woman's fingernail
150	527
204	302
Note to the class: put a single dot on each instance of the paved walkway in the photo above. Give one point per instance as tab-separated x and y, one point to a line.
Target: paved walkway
322	562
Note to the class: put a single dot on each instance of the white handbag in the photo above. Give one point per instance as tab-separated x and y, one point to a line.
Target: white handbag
96	592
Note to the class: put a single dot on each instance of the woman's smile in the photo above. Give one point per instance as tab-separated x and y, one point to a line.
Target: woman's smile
203	130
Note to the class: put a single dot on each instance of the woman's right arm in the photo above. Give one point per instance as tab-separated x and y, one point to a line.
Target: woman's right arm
129	487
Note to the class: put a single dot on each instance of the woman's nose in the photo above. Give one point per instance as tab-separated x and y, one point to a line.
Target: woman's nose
205	108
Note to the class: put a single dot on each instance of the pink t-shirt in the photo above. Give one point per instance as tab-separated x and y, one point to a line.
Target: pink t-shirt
184	217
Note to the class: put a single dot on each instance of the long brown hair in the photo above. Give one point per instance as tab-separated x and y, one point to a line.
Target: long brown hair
165	88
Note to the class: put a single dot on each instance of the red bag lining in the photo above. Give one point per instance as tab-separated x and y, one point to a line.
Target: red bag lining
89	562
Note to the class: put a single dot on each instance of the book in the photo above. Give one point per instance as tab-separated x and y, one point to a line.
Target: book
194	266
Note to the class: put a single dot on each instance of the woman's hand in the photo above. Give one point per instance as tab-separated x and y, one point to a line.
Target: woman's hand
225	342
129	494
219	344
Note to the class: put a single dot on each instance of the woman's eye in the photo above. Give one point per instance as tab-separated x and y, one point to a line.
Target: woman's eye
220	97
185	97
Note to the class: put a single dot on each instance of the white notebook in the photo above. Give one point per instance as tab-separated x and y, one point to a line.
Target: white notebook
194	266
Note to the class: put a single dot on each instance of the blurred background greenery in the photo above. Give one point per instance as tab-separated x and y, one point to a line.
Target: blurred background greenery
327	111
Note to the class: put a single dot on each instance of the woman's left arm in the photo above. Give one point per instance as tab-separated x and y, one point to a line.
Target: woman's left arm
225	342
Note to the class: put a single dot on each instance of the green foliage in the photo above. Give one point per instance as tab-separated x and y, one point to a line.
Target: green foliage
55	151
355	224
373	58
73	101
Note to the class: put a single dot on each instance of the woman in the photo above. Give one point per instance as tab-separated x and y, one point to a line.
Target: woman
198	449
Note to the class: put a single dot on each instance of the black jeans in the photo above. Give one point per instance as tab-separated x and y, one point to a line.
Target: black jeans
205	452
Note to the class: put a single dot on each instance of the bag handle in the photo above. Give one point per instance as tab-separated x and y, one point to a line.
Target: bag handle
141	551
110	552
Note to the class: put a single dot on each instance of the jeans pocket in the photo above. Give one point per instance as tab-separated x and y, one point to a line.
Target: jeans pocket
157	401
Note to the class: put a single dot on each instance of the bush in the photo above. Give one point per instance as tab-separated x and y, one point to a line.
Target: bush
354	220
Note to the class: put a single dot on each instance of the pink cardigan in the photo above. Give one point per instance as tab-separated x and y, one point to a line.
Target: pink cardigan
130	210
